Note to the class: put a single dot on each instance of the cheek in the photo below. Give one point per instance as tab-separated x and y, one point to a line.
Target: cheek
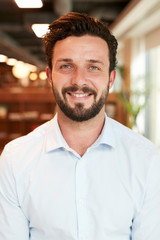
101	82
58	80
61	79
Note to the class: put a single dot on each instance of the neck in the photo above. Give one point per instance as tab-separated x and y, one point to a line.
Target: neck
80	135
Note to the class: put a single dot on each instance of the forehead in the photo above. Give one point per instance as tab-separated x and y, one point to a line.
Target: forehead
82	47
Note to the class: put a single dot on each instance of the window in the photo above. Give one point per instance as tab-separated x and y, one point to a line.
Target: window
153	110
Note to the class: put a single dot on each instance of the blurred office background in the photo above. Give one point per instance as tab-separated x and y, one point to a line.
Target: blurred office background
26	100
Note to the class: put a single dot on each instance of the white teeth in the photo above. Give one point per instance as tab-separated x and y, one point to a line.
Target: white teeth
79	95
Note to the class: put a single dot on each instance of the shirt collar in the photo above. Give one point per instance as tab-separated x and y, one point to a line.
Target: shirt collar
55	140
107	136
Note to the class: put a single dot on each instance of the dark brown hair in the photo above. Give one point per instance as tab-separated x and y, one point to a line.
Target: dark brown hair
78	24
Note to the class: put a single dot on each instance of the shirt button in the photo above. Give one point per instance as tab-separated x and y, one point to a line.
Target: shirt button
79	163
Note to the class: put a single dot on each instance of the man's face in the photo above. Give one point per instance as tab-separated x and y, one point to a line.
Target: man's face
80	76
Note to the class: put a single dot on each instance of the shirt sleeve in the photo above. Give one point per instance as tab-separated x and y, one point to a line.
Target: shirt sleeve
13	223
146	225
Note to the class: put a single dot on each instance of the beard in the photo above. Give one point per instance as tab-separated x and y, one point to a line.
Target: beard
79	113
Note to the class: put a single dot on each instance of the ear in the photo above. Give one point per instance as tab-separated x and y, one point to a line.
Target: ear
112	78
49	75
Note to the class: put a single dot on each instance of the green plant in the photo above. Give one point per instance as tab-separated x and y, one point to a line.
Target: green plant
131	102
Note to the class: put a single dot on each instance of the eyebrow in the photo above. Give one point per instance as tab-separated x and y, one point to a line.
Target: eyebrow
65	60
95	61
70	60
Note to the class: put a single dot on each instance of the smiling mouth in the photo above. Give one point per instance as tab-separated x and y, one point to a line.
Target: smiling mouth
75	91
79	95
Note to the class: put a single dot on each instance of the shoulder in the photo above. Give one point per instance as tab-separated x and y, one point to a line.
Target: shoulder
24	153
131	141
28	143
134	153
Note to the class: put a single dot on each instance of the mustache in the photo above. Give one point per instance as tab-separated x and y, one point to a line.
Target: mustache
84	89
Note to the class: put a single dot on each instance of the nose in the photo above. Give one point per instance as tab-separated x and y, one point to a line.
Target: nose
79	77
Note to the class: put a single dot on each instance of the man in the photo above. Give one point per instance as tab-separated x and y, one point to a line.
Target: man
80	176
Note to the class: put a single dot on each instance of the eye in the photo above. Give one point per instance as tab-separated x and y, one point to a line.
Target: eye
93	67
65	66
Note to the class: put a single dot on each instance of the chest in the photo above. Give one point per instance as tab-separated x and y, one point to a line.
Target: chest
78	197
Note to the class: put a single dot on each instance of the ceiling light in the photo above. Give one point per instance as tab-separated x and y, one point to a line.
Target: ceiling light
31	67
20	70
3	58
33	76
11	61
40	29
29	3
43	75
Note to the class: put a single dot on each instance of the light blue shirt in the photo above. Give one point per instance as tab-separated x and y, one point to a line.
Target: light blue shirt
49	192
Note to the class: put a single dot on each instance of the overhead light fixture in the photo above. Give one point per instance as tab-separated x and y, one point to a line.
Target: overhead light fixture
29	3
40	29
42	75
33	76
11	61
3	58
20	70
31	68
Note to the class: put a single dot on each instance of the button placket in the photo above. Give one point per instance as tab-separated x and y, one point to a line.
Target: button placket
81	199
